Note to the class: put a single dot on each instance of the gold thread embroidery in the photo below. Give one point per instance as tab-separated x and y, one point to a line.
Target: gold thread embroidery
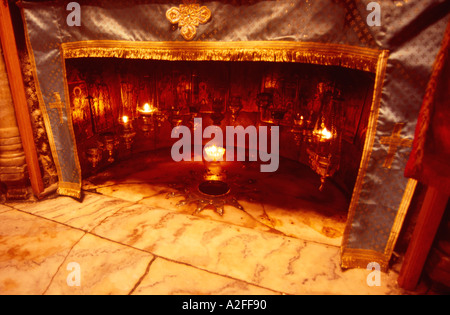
57	104
394	141
360	258
188	17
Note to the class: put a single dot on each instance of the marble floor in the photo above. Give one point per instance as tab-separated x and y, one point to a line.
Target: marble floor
129	235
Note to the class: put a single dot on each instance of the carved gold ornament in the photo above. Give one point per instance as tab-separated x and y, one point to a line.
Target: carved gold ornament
188	17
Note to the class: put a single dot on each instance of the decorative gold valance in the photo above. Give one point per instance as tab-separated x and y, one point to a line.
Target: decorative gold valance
359	58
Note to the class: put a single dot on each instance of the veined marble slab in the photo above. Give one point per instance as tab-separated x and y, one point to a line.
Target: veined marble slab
267	260
98	266
84	215
171	278
31	251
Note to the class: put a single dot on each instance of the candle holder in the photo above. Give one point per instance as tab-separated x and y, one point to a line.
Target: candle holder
125	122
322	165
110	144
212	192
213	188
214	170
214	185
298	129
264	101
235	108
94	156
160	117
277	115
177	117
218	111
146	115
128	138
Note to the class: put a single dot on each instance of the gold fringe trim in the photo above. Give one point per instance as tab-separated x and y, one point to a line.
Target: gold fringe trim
69	189
69	192
360	258
359	58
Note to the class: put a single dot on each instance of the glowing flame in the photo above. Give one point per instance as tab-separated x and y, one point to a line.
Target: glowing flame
324	134
148	108
125	119
215	153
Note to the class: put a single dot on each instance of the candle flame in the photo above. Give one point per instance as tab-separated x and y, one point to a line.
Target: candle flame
214	152
125	119
148	108
324	134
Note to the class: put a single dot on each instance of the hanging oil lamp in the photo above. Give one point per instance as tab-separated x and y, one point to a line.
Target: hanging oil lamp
325	145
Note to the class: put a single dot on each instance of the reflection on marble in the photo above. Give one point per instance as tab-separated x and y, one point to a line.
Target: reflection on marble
286	202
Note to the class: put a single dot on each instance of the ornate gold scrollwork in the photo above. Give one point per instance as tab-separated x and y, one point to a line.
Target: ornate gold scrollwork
188	17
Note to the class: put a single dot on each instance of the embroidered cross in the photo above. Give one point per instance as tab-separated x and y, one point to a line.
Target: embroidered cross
188	16
58	105
394	141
